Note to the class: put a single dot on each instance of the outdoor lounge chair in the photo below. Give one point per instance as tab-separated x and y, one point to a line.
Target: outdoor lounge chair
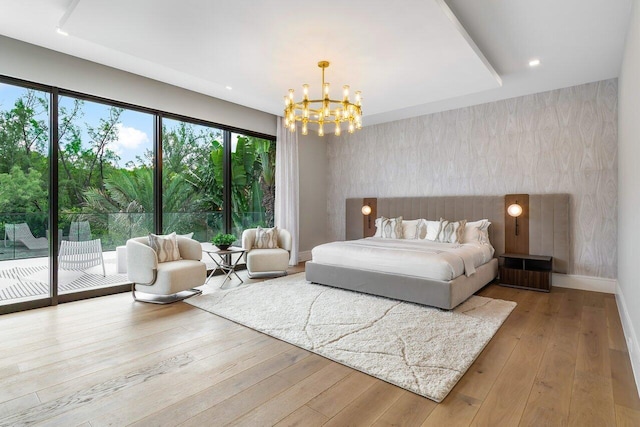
21	233
80	255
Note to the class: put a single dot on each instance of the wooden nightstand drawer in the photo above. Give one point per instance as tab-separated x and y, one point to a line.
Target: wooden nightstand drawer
526	271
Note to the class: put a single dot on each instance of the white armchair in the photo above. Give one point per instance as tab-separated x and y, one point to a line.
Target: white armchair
165	282
266	262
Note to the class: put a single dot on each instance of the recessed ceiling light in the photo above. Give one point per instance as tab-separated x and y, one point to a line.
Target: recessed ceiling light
61	32
228	87
534	63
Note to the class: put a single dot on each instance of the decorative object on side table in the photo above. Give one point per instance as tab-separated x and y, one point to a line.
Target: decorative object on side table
223	241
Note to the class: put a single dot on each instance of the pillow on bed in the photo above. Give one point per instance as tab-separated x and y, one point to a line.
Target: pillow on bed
433	230
452	231
413	229
477	231
390	228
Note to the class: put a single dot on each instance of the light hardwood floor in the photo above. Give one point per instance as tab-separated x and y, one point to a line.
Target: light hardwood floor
559	359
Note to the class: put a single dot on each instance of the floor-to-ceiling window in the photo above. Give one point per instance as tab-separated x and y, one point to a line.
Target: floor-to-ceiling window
252	182
24	194
105	190
85	172
192	179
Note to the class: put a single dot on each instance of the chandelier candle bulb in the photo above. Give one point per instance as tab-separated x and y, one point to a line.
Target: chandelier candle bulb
324	108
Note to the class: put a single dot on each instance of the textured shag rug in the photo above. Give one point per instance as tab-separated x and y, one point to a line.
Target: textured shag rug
422	349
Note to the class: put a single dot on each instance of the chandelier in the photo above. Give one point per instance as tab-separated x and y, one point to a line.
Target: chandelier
325	111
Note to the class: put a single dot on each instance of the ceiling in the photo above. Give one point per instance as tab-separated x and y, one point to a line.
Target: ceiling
409	58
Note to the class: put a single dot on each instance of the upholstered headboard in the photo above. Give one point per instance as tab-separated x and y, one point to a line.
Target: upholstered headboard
548	219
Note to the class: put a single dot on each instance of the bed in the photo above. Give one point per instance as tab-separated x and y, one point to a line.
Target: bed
366	265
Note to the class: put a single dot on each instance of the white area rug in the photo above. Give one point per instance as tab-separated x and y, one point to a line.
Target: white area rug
422	349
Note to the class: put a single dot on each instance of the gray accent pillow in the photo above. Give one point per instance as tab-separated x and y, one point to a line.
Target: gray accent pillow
266	238
165	247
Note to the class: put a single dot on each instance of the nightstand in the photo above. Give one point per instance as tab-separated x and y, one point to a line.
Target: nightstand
526	271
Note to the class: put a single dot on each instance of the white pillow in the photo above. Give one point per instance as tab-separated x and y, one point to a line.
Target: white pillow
413	229
378	223
165	247
391	228
433	230
477	231
452	231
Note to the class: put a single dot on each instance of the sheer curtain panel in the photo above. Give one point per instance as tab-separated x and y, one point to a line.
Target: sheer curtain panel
286	204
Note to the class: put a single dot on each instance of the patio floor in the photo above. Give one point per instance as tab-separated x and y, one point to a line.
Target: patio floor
25	279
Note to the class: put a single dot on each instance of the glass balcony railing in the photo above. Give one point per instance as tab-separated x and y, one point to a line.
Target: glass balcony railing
26	235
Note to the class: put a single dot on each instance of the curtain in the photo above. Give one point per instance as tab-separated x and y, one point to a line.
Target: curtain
286	203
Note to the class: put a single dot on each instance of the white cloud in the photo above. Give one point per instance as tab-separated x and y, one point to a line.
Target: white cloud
129	137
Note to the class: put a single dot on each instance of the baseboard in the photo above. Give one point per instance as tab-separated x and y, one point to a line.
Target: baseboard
585	283
304	256
630	335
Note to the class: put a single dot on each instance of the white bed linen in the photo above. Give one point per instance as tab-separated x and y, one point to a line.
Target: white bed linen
420	258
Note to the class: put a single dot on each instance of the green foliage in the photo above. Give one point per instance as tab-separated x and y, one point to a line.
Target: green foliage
223	239
23	132
22	192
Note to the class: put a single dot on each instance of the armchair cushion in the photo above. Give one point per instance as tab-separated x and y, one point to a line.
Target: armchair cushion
267	260
165	247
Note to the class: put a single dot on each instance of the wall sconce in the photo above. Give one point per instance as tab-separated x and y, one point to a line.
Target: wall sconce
366	211
515	210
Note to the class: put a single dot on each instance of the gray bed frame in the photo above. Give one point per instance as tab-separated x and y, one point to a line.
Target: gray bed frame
443	294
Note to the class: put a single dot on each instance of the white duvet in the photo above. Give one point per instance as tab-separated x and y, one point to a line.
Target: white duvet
420	258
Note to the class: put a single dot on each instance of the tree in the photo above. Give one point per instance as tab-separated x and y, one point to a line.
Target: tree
22	134
20	192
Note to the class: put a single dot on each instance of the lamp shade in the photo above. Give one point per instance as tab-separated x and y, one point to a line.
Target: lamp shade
514	210
366	210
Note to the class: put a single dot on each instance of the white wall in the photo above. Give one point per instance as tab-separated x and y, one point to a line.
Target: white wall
628	294
29	62
312	155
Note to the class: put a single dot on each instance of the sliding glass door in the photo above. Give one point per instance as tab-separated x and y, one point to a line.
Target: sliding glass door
24	194
92	167
105	190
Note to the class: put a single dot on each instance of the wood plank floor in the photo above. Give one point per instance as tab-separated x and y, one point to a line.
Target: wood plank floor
559	359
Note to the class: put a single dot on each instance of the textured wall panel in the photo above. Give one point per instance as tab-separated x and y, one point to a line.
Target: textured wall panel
562	141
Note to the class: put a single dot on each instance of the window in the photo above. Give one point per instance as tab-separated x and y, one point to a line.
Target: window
252	182
107	189
24	194
192	179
